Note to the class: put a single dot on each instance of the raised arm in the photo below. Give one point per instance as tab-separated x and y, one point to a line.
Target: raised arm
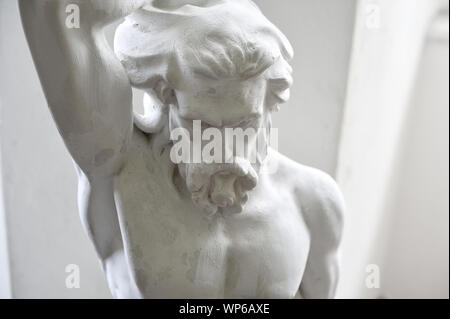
87	90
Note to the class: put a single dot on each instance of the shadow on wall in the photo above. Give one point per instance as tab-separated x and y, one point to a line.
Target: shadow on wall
393	162
416	260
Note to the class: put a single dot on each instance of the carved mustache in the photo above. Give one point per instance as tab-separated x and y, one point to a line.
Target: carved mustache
241	168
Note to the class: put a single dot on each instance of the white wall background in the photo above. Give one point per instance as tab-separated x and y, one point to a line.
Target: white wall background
43	230
321	34
416	262
393	161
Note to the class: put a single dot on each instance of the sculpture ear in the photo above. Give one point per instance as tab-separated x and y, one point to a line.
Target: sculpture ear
156	106
154	117
165	93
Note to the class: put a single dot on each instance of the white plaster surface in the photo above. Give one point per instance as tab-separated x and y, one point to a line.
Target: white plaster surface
48	280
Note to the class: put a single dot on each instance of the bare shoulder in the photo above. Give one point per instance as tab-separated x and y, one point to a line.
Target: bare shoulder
317	195
321	205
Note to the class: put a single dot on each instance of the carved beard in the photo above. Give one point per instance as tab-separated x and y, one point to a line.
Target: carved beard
225	186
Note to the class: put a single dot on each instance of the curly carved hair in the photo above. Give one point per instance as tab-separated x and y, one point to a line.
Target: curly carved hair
216	38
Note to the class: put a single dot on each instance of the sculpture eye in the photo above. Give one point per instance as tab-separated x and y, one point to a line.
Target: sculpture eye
248	122
212	91
205	125
245	123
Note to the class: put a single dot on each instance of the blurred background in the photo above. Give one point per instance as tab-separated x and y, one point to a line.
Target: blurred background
369	106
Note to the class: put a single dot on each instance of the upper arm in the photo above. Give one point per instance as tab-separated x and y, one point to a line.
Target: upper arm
86	88
323	211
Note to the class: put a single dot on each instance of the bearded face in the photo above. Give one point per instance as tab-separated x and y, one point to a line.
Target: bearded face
220	62
235	111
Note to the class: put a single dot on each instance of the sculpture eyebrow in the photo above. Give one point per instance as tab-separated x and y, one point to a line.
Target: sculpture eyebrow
202	73
233	123
189	118
251	116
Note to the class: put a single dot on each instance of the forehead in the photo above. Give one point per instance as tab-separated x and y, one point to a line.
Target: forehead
221	102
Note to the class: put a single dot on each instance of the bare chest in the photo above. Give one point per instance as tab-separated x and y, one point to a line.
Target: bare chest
174	251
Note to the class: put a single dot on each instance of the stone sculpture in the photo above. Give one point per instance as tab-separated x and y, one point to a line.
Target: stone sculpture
189	229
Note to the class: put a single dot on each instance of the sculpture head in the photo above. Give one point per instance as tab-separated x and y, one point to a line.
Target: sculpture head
218	61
